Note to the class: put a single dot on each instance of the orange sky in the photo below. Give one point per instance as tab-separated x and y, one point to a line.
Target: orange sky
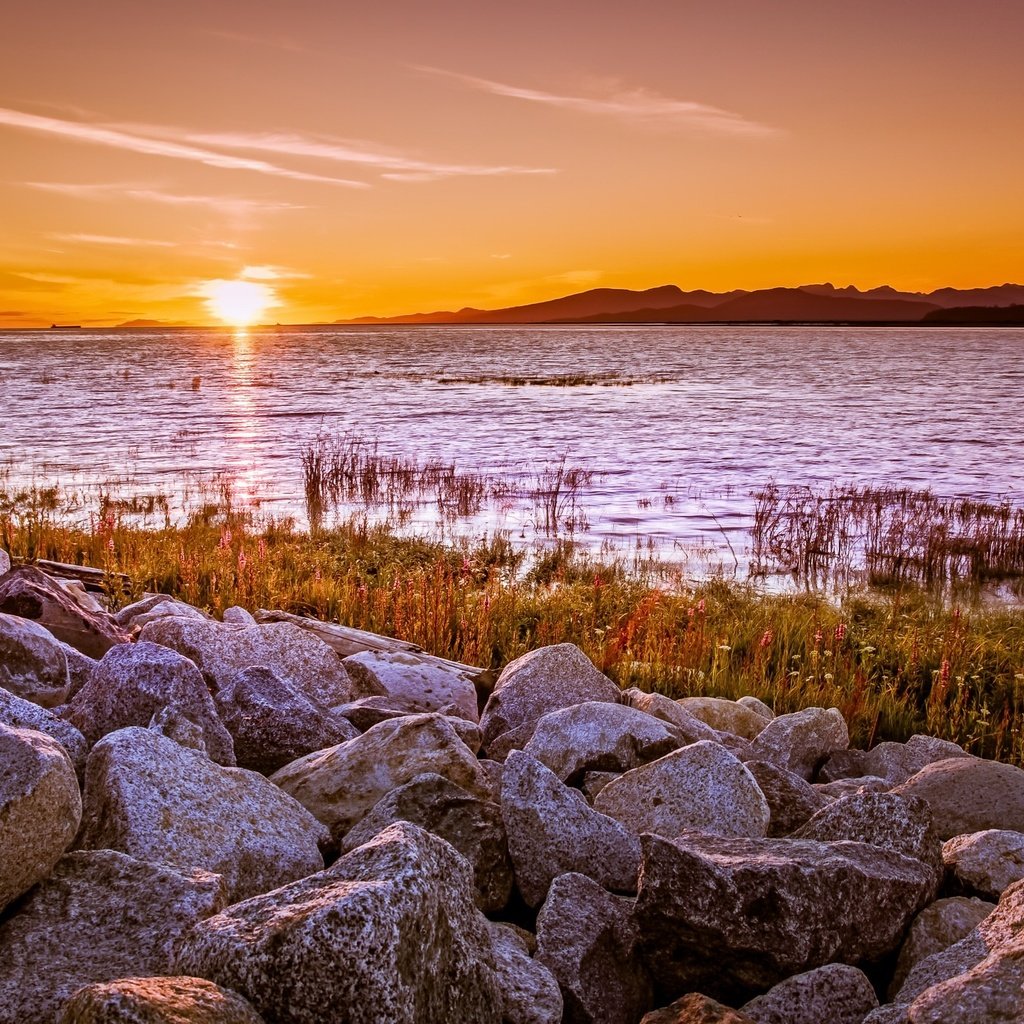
396	156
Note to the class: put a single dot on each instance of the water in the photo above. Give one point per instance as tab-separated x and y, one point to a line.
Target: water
711	413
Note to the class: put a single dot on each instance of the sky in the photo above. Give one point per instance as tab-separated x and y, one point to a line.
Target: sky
340	159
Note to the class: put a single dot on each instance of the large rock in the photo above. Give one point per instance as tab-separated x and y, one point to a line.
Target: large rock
17	713
134	681
727	916
430	685
657	705
967	794
792	800
472	825
40	808
273	723
598	736
990	992
99	916
701	787
544	680
154	606
5	562
696	1008
176	1000
726	715
340	784
222	650
149	797
529	992
800	742
390	932
588	939
836	993
986	862
553	830
32	664
894	762
30	594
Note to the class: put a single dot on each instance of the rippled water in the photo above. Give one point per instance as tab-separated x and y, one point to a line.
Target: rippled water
710	415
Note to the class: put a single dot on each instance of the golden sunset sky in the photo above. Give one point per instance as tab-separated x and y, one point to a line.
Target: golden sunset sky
378	158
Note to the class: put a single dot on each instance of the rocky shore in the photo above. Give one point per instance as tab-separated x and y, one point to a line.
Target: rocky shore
259	819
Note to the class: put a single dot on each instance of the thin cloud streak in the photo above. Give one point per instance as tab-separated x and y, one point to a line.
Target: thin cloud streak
637	105
116	138
231	205
116	240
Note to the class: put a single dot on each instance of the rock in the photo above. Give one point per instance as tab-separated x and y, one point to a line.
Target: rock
273	723
897	762
598	736
967	794
152	607
40	808
986	862
835	993
80	668
134	681
992	991
852	787
99	916
845	764
32	664
594	782
390	932
5	562
238	616
701	787
528	991
937	927
726	715
30	594
695	1008
657	705
222	650
472	825
177	1000
791	800
757	706
724	915
17	713
544	680
367	712
155	800
339	785
514	739
588	939
800	742
887	1014
552	830
429	684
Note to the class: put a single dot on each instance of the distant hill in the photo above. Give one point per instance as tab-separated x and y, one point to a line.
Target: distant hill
977	315
154	323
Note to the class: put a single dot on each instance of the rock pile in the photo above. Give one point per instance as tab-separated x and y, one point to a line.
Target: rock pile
231	822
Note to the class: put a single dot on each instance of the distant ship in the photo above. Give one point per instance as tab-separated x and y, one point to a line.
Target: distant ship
65	327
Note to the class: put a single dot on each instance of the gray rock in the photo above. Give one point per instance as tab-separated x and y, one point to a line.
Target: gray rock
552	830
80	668
153	606
991	991
588	939
23	714
594	782
657	705
40	808
155	800
701	787
5	562
757	706
238	616
528	991
367	712
134	681
696	1008
845	764
986	862
852	787
175	725
800	742
32	664
726	715
792	801
99	916
390	932
897	762
835	993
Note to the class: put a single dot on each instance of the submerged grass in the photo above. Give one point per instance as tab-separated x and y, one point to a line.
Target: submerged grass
893	664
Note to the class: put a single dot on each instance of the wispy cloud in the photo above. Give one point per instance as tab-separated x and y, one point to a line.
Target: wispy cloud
116	240
118	138
265	272
231	205
637	105
275	42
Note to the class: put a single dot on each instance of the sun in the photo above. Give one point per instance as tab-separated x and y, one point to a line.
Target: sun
238	303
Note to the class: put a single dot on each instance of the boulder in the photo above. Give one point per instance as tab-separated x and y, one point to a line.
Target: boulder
472	825
32	664
986	862
528	991
390	932
851	787
552	830
967	794
695	1008
17	713
657	705
598	736
223	649
800	742
366	712
153	606
991	991
755	704
273	723
177	1000
588	939
726	715
173	723
731	916
80	668
339	785
544	680
5	562
701	787
430	684
238	616
99	916
897	762
791	800
594	782
149	797
40	808
836	993
30	594
845	764
134	681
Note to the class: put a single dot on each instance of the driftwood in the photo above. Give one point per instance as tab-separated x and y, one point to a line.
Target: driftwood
96	580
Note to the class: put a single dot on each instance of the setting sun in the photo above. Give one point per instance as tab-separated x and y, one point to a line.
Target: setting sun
239	303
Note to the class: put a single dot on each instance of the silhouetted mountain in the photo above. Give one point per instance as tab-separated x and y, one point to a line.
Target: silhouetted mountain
998	295
977	315
154	323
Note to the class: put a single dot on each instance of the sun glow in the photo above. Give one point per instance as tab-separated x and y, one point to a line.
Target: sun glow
238	303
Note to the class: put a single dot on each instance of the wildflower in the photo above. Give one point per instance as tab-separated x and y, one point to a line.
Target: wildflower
242	560
700	606
767	638
944	672
840	632
818	637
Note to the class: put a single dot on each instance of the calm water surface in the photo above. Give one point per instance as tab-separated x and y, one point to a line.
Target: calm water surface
711	413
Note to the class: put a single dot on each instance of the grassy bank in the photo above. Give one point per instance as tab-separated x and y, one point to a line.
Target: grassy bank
893	665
